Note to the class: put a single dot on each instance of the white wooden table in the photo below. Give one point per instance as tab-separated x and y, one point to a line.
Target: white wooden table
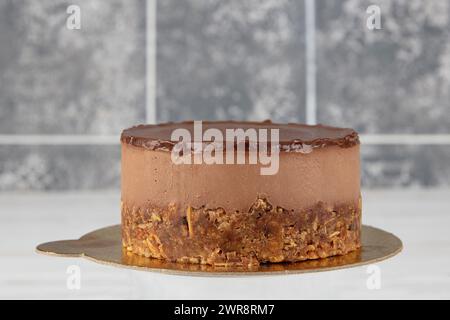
420	218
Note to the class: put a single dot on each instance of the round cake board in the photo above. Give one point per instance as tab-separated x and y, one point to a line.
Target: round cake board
105	246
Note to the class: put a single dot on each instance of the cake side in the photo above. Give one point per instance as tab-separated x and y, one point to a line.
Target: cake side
231	214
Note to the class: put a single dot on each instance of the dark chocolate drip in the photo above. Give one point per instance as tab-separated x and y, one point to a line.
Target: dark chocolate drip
293	137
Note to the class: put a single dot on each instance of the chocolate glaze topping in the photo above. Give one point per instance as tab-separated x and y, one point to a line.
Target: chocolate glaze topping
292	135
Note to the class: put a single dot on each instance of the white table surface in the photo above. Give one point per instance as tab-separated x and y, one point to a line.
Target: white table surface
420	218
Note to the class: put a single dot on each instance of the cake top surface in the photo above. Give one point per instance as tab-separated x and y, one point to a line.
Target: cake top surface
159	137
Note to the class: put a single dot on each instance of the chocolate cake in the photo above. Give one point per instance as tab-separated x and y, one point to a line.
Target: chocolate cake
229	213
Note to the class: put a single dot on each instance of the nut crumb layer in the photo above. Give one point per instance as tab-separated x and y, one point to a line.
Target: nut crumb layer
264	234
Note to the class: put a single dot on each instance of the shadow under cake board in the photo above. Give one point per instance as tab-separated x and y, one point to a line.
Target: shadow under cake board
105	246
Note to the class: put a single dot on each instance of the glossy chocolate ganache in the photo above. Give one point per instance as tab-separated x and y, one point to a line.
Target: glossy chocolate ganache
158	137
231	214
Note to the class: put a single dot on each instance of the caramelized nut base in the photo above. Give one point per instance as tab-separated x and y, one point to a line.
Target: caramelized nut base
265	233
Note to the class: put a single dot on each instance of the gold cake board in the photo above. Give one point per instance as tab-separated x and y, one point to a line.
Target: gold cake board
105	246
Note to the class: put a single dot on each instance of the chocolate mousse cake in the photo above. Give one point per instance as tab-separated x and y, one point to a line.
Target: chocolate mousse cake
231	213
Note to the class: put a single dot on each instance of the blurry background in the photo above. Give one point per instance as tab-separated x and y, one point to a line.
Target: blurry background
220	60
65	96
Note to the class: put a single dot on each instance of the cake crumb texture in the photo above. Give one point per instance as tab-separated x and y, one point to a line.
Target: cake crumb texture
266	233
